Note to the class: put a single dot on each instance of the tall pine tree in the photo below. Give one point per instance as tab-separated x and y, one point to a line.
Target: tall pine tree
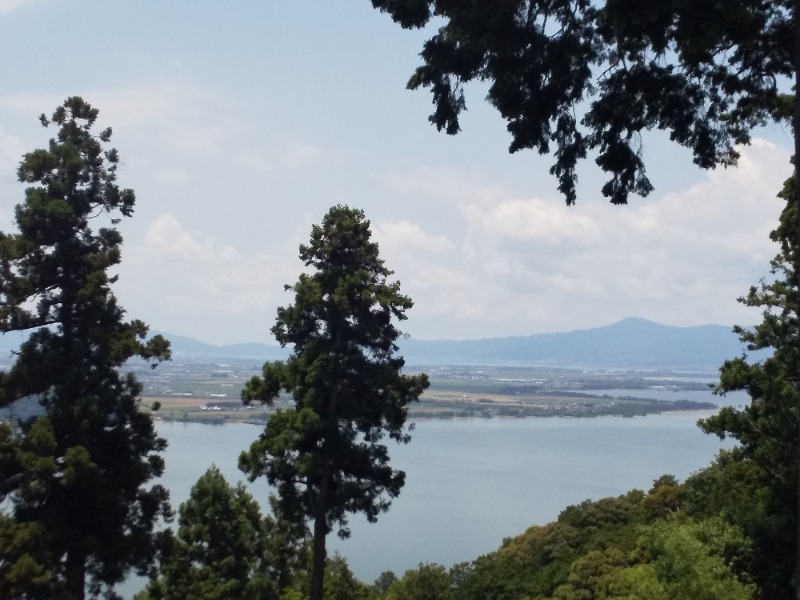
78	507
325	456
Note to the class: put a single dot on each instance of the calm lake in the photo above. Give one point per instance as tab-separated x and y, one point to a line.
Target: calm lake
472	482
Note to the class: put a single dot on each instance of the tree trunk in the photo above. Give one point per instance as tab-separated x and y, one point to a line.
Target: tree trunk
321	509
320	533
796	163
318	561
76	575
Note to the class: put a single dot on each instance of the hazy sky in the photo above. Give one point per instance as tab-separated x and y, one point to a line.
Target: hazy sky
240	123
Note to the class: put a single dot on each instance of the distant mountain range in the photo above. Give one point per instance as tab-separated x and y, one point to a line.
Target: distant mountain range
192	348
632	342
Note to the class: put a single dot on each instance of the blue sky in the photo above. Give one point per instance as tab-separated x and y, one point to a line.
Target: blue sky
239	124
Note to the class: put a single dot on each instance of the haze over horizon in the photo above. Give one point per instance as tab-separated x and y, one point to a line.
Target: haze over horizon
239	127
603	326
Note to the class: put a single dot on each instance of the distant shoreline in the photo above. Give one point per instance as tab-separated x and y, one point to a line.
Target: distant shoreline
182	409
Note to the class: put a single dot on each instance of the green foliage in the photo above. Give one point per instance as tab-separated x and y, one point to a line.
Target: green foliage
590	575
325	456
288	552
664	497
542	561
25	560
639	582
767	429
600	513
615	548
384	582
731	487
74	479
426	582
692	559
493	576
706	71
221	550
622	548
341	584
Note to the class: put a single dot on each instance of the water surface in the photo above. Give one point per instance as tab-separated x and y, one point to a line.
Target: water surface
472	482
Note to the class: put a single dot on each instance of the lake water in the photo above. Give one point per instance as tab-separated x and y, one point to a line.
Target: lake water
472	482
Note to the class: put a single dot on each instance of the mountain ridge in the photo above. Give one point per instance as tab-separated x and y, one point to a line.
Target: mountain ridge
631	342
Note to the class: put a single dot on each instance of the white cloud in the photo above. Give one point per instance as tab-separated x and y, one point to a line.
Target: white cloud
170	112
403	236
530	264
7	6
189	278
532	221
510	265
446	294
167	240
446	184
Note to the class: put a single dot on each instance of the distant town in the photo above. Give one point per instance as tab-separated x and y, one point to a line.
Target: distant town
208	391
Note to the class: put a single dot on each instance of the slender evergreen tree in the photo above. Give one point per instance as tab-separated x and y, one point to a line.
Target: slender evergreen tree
75	480
325	455
767	429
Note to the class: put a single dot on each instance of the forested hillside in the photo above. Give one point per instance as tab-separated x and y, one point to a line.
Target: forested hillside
675	541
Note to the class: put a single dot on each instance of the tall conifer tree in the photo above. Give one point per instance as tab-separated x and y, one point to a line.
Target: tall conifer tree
767	429
324	455
80	514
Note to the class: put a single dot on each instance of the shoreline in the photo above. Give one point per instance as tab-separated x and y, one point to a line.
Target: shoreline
203	411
